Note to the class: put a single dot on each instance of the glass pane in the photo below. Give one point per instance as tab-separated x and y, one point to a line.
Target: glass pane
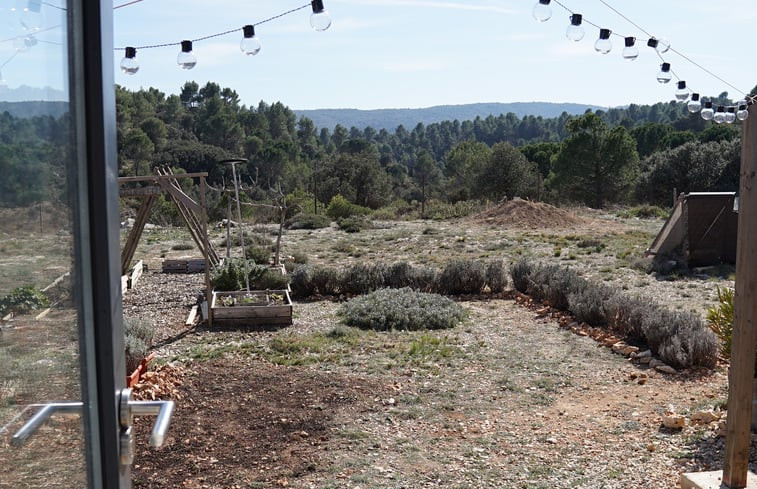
39	362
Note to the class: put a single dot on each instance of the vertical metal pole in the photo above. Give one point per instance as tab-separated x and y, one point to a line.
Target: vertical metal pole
741	373
241	231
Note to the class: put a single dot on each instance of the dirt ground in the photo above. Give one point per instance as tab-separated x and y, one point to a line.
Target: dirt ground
507	399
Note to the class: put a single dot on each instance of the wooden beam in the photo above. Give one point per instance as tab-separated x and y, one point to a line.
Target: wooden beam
127	254
139	192
155	178
741	373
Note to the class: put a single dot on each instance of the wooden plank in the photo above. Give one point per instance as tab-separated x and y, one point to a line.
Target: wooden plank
741	372
139	192
156	178
192	316
127	254
124	284
136	273
179	195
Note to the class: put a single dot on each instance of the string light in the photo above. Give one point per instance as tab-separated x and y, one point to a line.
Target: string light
743	112
129	63
707	112
542	11
320	19
730	115
186	58
603	44
682	93
630	52
664	75
575	31
719	116
250	45
694	104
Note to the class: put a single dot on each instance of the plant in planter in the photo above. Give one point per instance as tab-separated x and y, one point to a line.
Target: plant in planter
230	276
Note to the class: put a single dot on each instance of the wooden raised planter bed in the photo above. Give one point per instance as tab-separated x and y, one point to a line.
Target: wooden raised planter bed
256	307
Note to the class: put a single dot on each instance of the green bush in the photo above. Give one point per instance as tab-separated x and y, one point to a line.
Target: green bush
258	254
308	221
182	247
680	339
339	208
720	321
138	337
401	309
302	282
22	300
362	278
354	224
496	276
230	276
521	272
325	280
462	277
587	302
644	212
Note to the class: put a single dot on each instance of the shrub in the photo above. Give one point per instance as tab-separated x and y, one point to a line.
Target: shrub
230	276
626	314
182	247
258	254
554	284
250	239
354	224
644	212
302	282
587	302
308	221
299	257
720	320
362	278
339	208
462	277
138	337
325	280
399	275
22	300
496	276
401	309
521	272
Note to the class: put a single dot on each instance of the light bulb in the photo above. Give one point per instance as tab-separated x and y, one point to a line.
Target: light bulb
31	18
682	93
320	19
603	44
694	104
743	112
630	52
660	45
186	58
719	116
250	45
575	32
730	115
129	63
664	75
542	11
707	112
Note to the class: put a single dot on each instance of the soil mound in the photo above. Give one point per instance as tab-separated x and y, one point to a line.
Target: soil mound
521	213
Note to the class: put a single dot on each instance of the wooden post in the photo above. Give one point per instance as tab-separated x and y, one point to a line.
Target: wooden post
206	249
741	373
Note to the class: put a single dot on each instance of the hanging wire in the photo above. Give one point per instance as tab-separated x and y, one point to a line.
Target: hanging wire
219	34
126	4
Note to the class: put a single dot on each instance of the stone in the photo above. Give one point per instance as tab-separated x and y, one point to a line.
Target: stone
666	369
628	350
643	354
674	421
705	417
644	360
655	362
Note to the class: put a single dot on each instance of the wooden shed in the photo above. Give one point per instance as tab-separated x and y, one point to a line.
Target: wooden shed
701	230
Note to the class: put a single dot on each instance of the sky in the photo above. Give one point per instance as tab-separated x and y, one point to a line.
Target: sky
411	53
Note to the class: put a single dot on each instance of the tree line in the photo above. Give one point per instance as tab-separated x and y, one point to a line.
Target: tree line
620	156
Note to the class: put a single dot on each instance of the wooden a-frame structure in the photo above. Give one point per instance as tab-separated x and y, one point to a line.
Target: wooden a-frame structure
195	215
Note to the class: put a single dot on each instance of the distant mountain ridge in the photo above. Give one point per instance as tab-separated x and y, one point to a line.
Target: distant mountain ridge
389	119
